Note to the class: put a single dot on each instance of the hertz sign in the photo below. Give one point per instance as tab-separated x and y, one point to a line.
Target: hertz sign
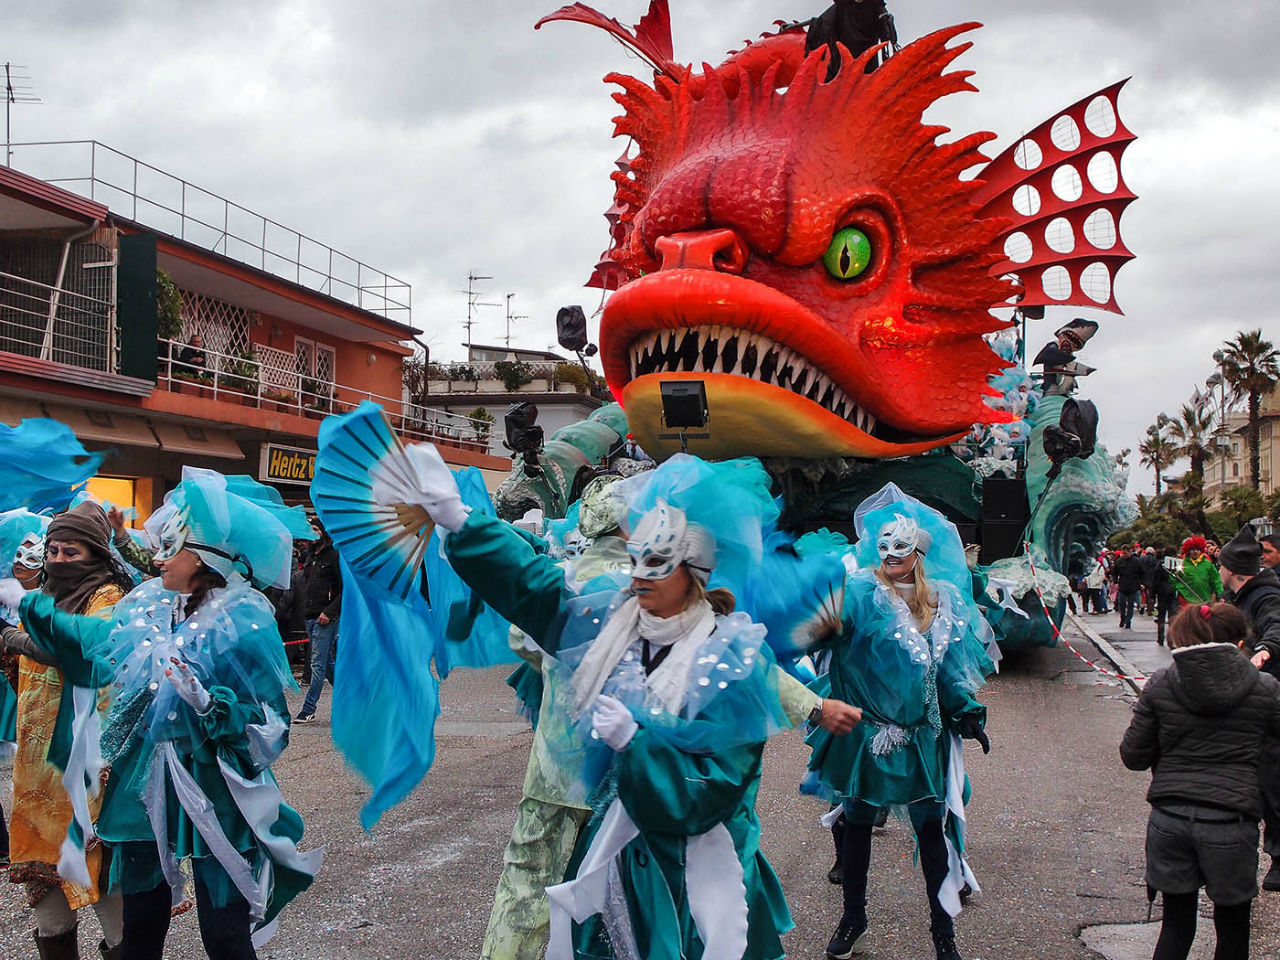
282	464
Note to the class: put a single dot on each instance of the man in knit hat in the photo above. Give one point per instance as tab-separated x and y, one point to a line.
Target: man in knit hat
1256	593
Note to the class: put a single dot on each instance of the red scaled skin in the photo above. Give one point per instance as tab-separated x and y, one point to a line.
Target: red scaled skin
734	197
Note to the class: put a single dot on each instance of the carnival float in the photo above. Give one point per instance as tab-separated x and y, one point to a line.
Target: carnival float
799	269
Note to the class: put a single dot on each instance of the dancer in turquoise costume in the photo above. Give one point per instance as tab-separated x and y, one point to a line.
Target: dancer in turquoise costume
667	700
198	676
908	652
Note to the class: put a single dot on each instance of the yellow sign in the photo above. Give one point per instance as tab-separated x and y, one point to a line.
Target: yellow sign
287	464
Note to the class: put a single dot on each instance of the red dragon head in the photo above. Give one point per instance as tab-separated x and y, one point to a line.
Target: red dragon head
806	248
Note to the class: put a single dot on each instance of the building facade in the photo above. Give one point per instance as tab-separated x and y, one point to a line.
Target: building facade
1230	467
495	377
170	327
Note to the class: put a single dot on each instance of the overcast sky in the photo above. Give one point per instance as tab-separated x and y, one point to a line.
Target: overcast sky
431	138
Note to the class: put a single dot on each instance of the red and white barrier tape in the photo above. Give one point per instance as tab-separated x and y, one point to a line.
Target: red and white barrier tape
1058	635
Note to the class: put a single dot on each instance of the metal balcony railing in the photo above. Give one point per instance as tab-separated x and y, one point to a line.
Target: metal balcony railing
171	205
51	323
268	379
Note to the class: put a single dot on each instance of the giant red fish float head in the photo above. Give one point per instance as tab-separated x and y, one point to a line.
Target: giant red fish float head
805	246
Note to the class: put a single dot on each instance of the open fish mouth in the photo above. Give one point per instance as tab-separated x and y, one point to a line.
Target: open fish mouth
777	377
723	349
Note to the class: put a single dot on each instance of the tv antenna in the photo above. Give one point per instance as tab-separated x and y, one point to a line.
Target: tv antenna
14	93
512	317
473	304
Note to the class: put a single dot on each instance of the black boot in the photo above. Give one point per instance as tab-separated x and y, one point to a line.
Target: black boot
945	946
60	946
850	935
849	939
109	953
836	873
1271	881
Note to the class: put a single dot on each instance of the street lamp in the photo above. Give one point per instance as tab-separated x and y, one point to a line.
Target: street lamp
1219	380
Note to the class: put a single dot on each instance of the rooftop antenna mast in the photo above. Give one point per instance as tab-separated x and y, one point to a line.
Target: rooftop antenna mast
511	317
14	93
474	303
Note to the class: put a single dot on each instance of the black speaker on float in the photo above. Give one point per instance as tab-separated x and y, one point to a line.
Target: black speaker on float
1001	539
684	404
1004	498
571	328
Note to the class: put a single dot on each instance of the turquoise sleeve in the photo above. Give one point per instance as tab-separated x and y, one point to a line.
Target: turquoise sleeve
667	790
500	565
78	644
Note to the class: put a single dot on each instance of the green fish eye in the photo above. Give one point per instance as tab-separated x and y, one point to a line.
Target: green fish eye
849	254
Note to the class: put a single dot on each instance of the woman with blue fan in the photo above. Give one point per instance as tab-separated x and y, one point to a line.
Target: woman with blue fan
909	649
666	699
198	676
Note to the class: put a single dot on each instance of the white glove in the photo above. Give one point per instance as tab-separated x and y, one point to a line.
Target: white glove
11	593
613	722
431	486
189	688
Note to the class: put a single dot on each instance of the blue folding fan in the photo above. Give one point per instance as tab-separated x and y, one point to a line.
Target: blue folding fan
383	542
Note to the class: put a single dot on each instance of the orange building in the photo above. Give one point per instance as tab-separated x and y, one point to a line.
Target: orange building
110	271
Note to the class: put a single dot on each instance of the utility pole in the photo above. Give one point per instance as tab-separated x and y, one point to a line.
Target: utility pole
474	303
511	317
21	93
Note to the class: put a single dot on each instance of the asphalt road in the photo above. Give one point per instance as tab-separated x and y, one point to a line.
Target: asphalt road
1056	829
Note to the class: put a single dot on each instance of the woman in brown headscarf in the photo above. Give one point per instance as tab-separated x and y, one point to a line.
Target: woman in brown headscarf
83	577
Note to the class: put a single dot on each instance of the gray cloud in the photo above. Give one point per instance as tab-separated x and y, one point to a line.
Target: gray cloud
430	138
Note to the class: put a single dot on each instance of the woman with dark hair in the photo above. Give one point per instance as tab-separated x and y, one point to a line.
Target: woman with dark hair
198	677
1199	726
81	576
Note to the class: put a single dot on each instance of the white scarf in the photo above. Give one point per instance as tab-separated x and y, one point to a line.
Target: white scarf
684	632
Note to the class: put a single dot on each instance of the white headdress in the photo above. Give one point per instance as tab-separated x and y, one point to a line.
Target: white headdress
663	539
30	553
901	537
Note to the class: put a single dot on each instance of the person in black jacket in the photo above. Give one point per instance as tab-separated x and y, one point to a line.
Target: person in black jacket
1127	574
1256	594
1165	590
322	605
1199	726
1149	561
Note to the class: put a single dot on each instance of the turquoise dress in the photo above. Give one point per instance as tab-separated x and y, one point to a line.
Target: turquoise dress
913	688
678	799
184	785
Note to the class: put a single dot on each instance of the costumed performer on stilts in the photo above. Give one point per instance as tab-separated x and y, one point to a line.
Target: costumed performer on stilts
80	577
909	653
547	821
198	676
669	699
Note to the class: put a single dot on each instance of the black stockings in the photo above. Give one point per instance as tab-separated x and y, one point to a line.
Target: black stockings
1178	930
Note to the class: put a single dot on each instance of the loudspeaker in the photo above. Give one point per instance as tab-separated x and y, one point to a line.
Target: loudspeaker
1005	498
1001	539
571	328
521	424
684	404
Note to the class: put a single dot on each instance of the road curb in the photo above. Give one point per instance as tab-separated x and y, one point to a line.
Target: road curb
1122	664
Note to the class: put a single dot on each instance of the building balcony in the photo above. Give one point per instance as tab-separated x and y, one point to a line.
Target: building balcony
169	205
58	334
265	378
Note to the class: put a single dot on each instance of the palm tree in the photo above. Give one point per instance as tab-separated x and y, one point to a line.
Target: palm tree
1251	367
1158	452
1192	433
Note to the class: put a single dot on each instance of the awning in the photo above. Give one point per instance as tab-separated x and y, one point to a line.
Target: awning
197	439
105	426
13	410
